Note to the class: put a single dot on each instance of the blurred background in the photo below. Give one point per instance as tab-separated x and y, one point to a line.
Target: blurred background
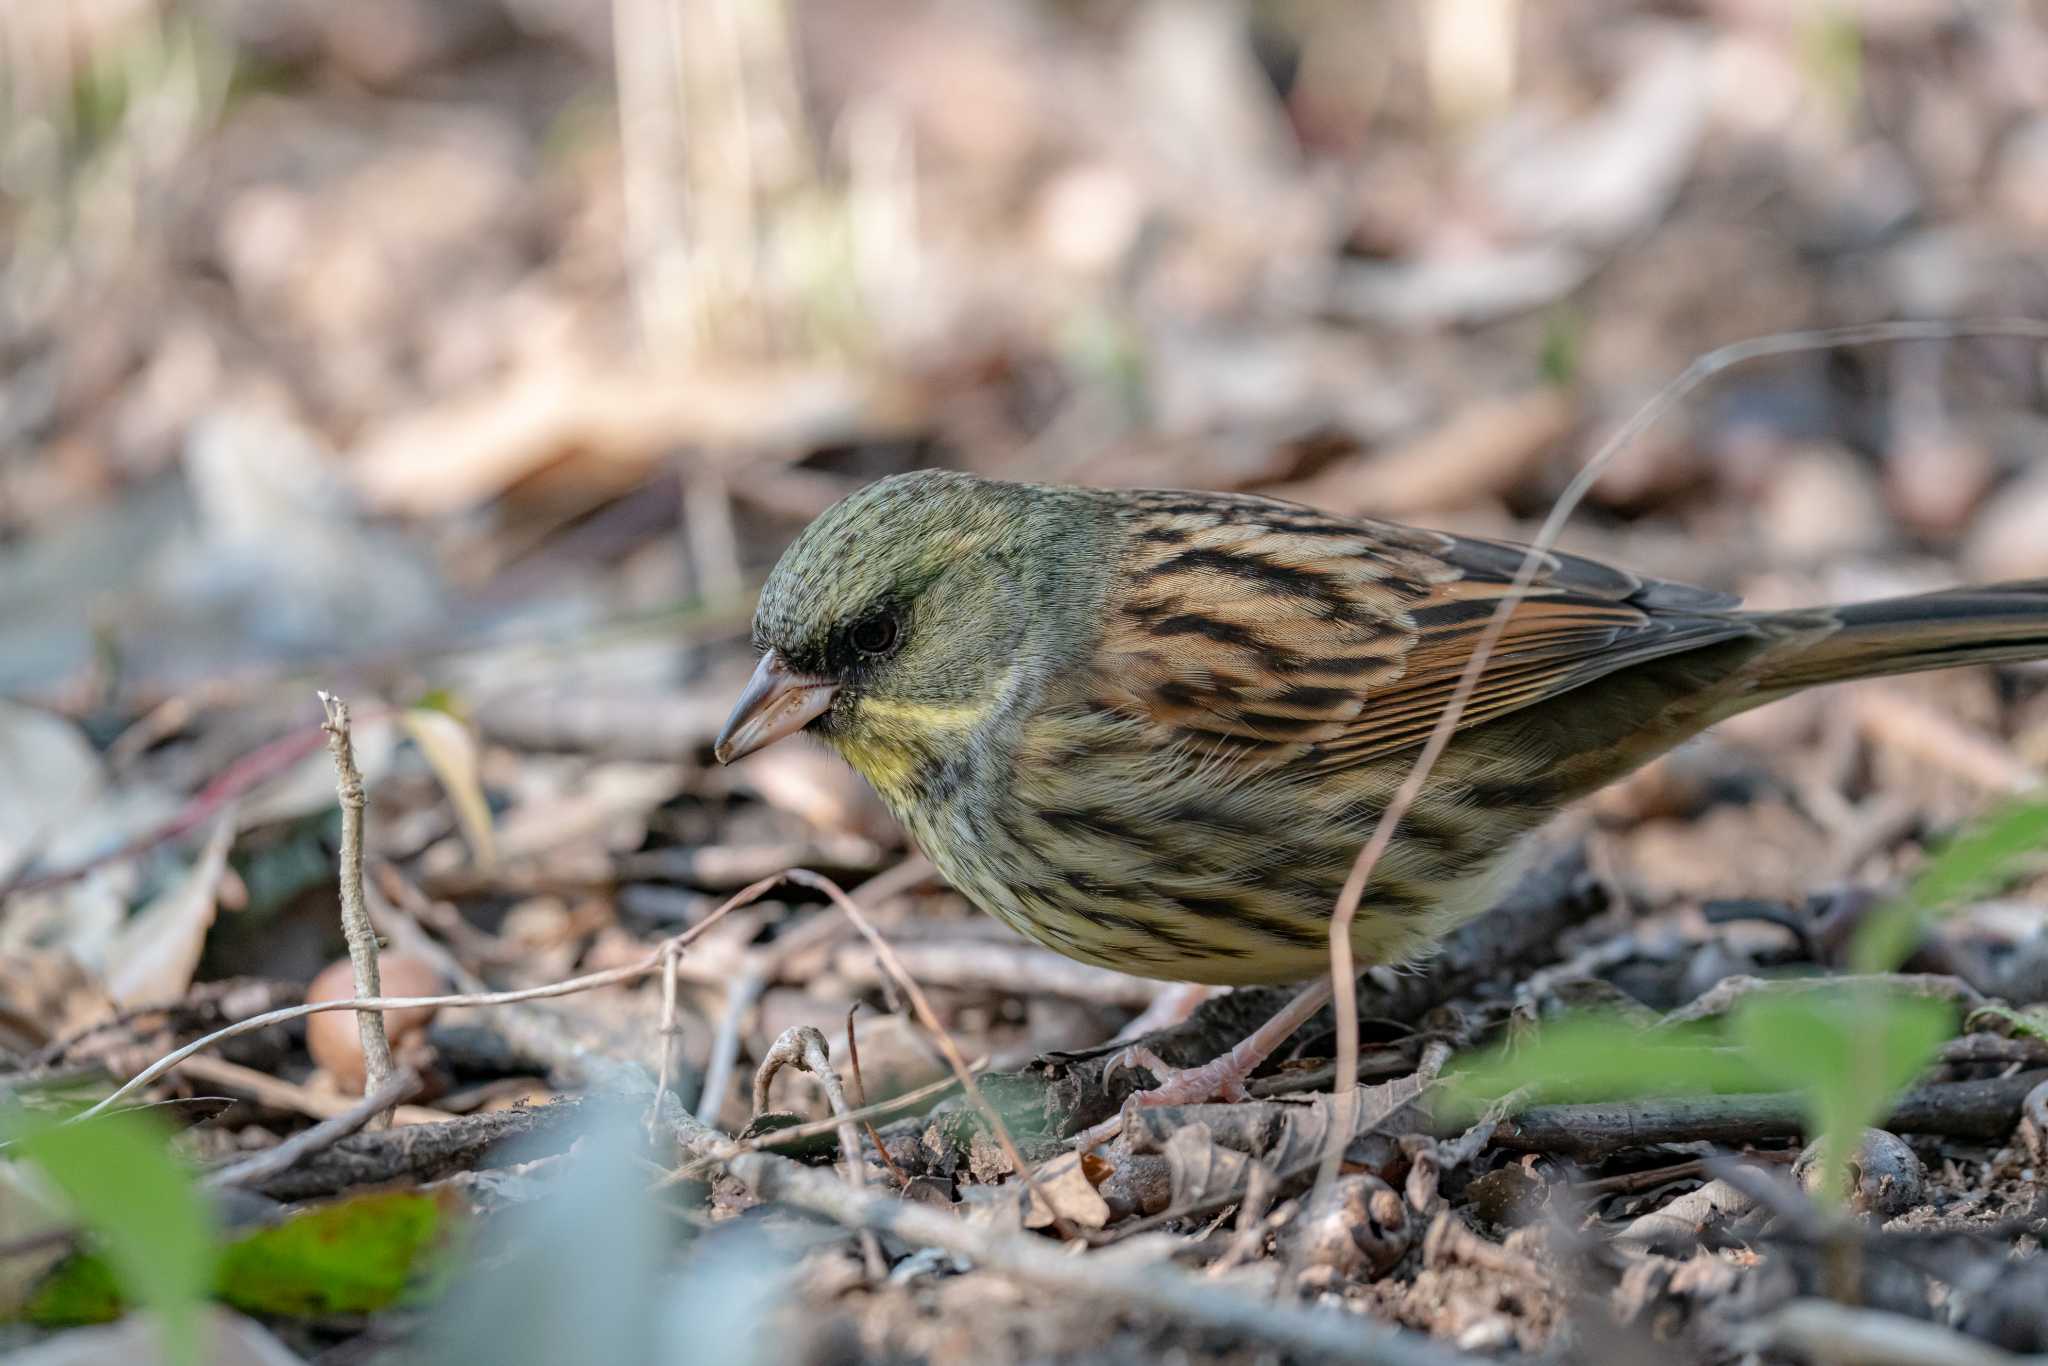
351	332
476	358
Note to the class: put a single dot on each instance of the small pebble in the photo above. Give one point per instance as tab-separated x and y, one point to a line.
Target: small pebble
1885	1176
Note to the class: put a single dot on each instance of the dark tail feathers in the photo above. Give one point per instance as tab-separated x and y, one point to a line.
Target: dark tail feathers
1994	624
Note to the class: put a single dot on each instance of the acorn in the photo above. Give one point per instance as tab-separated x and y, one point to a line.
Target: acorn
333	1038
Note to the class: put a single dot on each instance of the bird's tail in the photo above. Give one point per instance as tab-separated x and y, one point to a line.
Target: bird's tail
1995	624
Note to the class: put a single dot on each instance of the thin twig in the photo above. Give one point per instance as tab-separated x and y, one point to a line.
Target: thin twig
1818	1330
671	1036
797	1133
741	992
1703	368
927	1017
378	1069
860	1092
286	1155
762	965
629	972
804	1047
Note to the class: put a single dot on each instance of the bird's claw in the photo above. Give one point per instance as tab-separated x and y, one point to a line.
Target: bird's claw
1218	1079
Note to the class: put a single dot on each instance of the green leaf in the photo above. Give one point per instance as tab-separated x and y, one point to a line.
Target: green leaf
1601	1057
352	1256
2032	1021
141	1206
81	1289
1974	863
1848	1054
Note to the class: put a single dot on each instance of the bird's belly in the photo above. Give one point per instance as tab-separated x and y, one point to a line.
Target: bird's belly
1222	896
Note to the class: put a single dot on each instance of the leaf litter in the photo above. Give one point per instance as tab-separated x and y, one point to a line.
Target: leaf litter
438	396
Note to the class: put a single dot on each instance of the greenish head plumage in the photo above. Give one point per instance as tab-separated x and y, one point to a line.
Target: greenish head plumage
939	603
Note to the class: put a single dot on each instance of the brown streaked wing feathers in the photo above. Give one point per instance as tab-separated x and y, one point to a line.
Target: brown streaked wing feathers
1286	634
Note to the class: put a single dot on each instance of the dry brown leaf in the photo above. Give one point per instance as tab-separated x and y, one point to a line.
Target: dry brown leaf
1061	1189
1209	1161
1481	452
154	957
612	423
48	771
450	750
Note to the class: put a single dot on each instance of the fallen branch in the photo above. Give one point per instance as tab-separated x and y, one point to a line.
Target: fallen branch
1960	1109
276	1161
1719	999
1822	1331
424	1152
1123	1280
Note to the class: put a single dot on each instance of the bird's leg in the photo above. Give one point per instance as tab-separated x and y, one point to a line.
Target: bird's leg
1223	1077
1172	1006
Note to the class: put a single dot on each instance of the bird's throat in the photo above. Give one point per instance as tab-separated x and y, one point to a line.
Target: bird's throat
903	747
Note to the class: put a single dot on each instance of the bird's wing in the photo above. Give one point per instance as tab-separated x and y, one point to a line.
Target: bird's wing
1274	634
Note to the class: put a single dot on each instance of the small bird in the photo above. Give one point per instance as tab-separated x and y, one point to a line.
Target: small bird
1152	729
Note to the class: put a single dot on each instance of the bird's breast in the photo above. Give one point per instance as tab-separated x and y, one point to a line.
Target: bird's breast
1115	851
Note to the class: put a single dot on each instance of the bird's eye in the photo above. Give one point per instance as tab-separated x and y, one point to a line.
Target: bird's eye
875	636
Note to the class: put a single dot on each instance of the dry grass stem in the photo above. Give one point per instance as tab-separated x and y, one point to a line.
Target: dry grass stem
860	1092
378	1069
926	1016
671	1036
1342	967
630	972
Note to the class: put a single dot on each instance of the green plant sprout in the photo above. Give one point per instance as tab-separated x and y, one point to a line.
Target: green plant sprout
1847	1052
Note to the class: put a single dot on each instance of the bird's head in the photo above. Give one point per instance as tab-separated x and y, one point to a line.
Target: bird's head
910	619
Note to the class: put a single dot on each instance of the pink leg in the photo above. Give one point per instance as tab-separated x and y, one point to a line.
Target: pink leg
1173	1005
1222	1077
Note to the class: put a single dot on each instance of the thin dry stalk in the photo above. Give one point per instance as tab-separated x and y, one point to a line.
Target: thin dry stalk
262	1166
761	966
671	1037
745	989
860	1092
630	972
805	1049
378	1069
1342	967
926	1016
797	1133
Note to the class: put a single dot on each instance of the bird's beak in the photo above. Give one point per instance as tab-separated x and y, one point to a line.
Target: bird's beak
777	702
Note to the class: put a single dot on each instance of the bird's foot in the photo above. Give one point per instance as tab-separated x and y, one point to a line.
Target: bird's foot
1221	1078
1218	1079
